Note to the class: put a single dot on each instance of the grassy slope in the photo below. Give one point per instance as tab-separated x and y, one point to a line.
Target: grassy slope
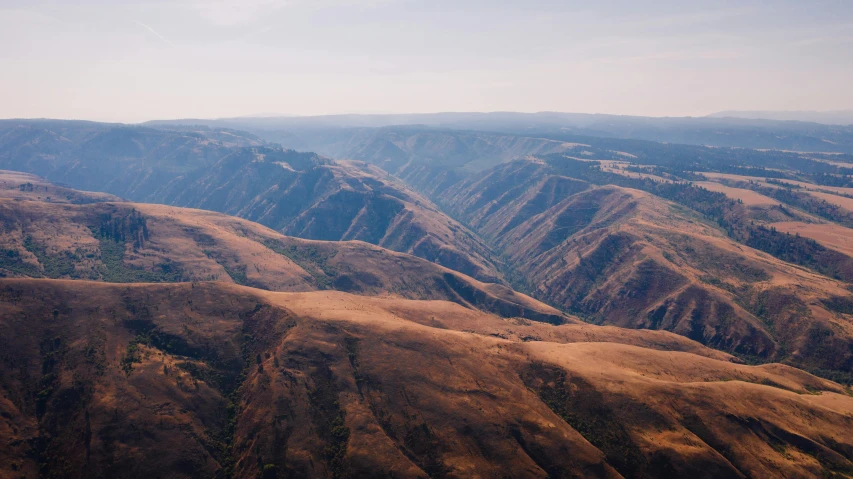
624	257
211	379
128	242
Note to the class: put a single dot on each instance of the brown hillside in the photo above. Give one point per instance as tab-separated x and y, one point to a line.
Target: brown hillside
298	194
215	380
623	257
496	202
627	258
128	242
24	186
306	196
830	235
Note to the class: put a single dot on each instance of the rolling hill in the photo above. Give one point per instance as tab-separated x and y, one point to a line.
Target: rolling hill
588	250
23	186
127	161
128	242
218	380
395	149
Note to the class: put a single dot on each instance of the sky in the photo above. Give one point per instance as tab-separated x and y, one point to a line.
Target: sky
138	60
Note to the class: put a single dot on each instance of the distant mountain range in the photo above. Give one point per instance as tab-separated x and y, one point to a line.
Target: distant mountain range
835	117
315	132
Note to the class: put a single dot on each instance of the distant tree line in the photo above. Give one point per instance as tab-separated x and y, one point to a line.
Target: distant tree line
123	228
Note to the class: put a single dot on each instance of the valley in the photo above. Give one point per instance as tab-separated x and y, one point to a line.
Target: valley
439	304
300	194
358	239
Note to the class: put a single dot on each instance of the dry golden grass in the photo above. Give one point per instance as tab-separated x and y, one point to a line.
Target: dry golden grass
635	260
342	385
829	234
24	186
200	245
813	187
834	163
398	380
727	176
833	194
749	197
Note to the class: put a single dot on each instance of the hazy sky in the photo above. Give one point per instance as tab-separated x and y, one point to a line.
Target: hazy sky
129	60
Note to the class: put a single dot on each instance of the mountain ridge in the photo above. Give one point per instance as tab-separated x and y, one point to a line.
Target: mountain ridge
297	193
127	242
620	256
827	117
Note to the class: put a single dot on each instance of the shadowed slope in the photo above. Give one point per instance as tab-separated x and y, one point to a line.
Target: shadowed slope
299	194
504	197
128	161
310	197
